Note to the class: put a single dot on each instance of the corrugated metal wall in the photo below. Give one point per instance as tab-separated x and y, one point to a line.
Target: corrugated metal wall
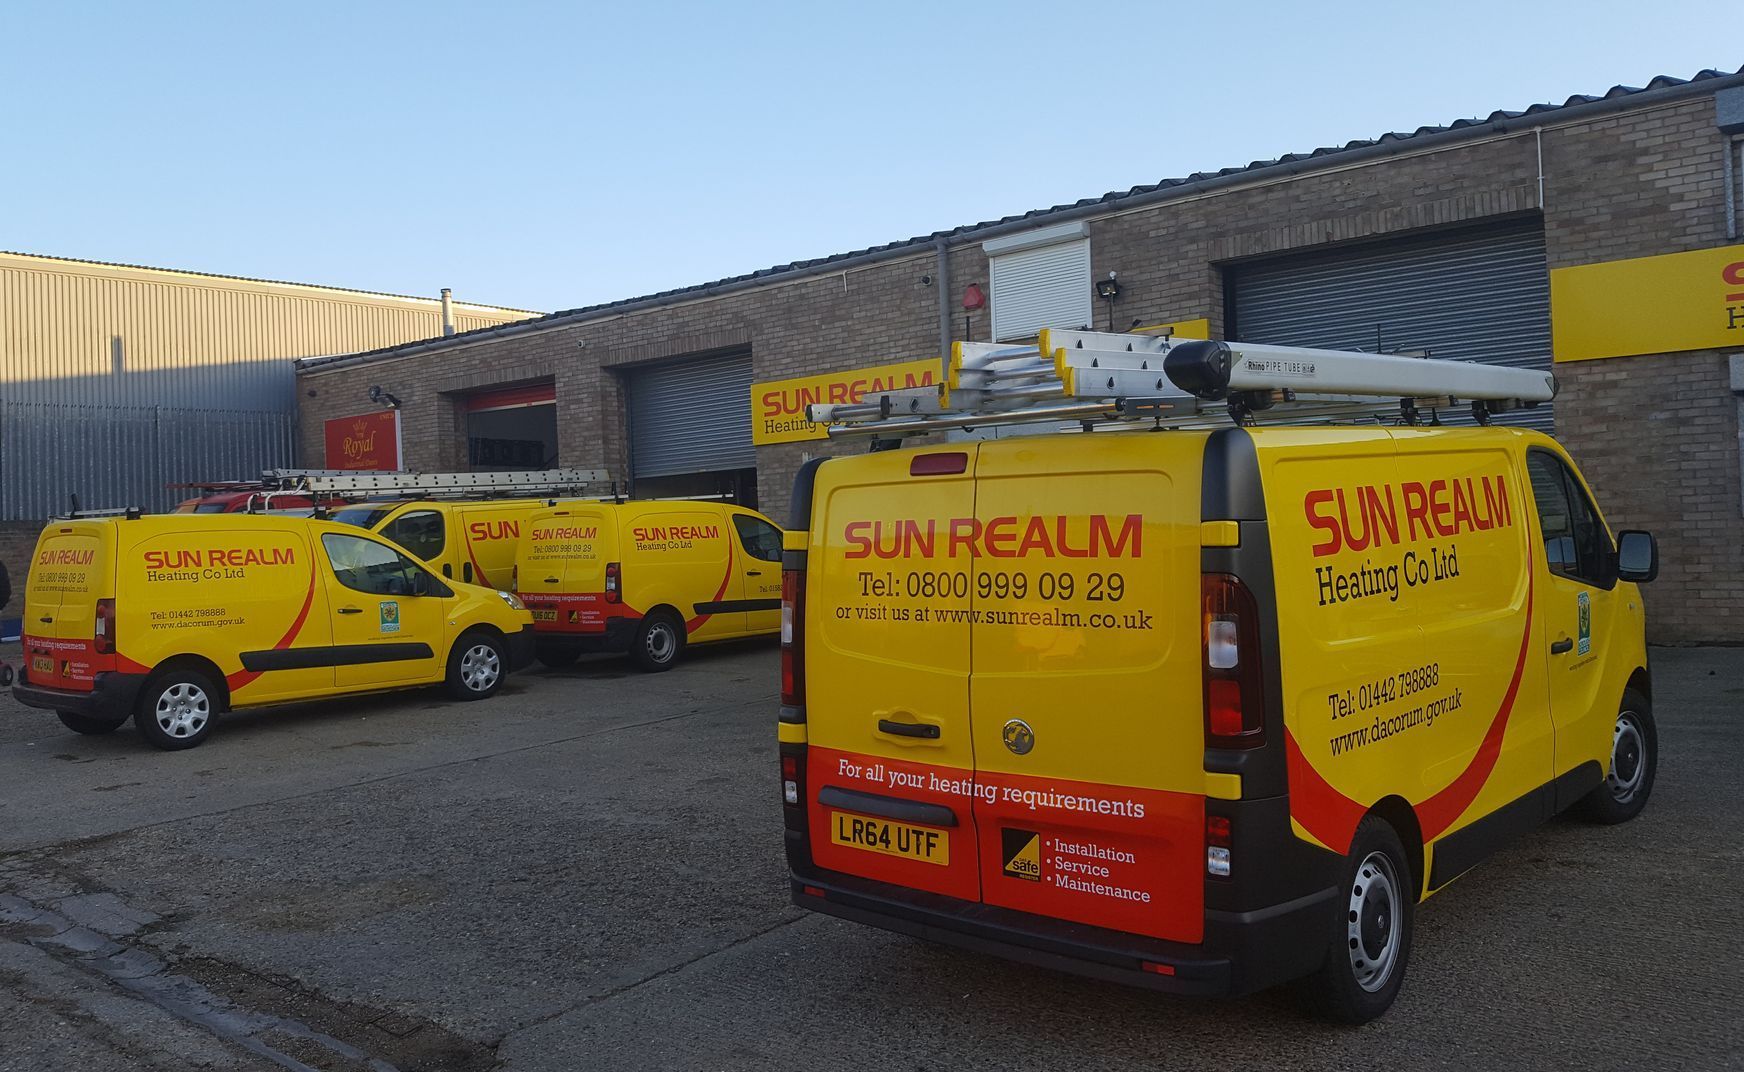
99	334
117	456
117	380
1481	294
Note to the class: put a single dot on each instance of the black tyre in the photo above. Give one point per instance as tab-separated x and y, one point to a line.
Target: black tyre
1371	940
477	664
659	642
177	709
90	724
557	656
1634	763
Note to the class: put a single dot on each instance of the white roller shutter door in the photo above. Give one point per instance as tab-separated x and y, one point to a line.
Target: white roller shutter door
1042	287
691	417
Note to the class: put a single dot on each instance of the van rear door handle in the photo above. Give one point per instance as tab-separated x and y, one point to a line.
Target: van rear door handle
1560	646
351	610
551	580
909	729
46	621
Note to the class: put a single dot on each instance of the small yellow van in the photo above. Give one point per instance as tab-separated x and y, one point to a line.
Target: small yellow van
472	541
1201	709
647	577
173	619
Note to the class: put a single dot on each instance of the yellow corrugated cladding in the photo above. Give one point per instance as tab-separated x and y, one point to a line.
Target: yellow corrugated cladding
1649	305
77	332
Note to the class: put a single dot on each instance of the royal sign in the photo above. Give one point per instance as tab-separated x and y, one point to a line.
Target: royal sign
368	441
778	407
1649	305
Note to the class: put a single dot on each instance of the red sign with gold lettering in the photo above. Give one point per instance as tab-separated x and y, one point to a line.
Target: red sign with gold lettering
367	441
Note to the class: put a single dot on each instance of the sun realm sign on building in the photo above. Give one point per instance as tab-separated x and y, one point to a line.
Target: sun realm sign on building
367	441
1649	305
778	407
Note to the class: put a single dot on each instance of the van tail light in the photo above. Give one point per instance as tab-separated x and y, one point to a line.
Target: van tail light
793	638
1230	637
614	583
103	627
1217	845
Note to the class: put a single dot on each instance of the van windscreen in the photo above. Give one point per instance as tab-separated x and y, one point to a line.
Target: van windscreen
365	516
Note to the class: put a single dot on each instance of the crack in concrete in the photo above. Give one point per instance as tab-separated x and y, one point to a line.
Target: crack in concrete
619	991
147	976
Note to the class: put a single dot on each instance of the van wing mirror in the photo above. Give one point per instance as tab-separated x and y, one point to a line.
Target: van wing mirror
1637	556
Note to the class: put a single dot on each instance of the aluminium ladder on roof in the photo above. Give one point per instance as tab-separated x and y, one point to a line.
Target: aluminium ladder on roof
329	482
1097	377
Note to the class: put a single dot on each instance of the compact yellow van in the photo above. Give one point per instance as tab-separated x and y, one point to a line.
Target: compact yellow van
472	541
173	619
647	578
1205	710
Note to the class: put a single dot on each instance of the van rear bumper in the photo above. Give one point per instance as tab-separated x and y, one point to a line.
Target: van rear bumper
617	637
1242	952
111	697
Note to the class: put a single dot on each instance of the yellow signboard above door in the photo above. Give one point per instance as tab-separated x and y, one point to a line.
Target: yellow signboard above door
778	406
1649	305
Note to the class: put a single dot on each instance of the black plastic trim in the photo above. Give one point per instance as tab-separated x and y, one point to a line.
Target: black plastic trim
112	695
728	606
903	811
333	655
799	507
1465	848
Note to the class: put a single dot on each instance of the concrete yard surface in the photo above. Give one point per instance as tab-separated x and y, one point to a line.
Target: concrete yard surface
585	872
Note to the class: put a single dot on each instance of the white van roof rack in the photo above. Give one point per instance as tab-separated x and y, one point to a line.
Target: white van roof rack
444	485
1096	377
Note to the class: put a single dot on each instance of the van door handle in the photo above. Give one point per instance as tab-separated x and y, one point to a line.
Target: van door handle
351	610
46	621
753	573
1560	646
909	729
551	580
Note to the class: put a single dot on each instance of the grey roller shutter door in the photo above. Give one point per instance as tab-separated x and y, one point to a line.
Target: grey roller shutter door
1046	287
1471	295
692	417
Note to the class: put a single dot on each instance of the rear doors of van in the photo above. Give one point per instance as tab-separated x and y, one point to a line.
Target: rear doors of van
72	569
560	571
1003	690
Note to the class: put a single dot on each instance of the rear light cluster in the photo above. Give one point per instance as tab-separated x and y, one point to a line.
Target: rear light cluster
103	627
1230	633
614	582
1217	845
792	638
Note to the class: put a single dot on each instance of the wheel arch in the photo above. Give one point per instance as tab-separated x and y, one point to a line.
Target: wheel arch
200	663
1397	813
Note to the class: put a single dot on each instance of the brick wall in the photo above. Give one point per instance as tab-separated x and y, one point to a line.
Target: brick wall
1657	436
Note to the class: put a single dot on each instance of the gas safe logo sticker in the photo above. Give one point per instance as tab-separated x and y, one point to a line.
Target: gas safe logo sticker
1022	852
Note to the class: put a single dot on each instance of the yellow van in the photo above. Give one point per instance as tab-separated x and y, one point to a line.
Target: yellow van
173	619
472	541
647	578
1204	710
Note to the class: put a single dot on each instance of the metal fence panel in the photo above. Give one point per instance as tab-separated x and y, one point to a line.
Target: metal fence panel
115	456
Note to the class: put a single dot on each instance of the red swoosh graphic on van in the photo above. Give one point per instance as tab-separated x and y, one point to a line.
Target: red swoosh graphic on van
245	677
1332	817
477	570
697	622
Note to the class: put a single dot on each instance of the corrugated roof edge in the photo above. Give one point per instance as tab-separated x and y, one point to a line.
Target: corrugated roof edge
269	282
1659	87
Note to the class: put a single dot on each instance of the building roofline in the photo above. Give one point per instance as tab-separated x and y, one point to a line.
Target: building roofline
1661	88
264	282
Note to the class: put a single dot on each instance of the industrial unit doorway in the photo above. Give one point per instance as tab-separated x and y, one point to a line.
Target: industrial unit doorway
1475	294
512	428
690	429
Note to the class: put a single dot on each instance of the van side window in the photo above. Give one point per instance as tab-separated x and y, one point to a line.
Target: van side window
420	532
761	539
1575	542
374	568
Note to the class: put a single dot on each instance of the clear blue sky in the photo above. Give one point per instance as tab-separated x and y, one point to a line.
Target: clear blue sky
548	156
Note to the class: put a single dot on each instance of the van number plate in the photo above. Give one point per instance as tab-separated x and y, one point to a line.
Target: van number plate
892	839
42	664
544	615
